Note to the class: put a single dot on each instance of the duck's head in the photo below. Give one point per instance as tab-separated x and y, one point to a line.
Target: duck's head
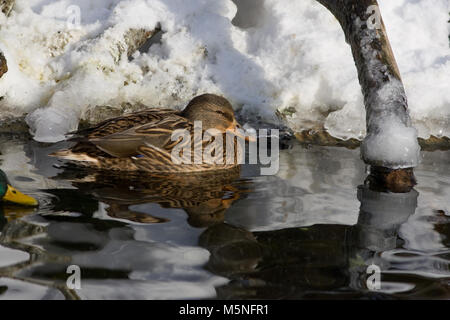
12	195
214	112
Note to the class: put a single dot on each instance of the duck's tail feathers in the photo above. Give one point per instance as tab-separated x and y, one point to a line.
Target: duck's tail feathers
69	155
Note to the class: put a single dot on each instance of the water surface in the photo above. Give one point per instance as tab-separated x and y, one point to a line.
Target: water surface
309	232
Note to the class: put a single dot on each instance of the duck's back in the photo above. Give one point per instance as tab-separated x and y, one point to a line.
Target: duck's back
114	141
122	123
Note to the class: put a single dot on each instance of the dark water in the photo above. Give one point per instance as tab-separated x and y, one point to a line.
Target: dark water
309	232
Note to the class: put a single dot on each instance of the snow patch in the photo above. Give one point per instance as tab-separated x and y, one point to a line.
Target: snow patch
285	55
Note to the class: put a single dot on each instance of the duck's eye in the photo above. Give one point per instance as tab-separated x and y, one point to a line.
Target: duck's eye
226	115
14	191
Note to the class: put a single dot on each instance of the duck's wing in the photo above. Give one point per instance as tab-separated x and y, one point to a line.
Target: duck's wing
122	123
156	135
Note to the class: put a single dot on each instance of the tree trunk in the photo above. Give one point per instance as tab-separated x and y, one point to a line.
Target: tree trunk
381	84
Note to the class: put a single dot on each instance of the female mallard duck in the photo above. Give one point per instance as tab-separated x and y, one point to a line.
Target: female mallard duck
12	195
142	141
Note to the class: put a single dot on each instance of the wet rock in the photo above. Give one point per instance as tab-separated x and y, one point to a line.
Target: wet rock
14	125
137	38
132	41
3	65
6	6
323	138
383	179
434	143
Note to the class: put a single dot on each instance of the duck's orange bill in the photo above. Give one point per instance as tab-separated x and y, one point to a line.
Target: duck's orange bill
15	196
235	130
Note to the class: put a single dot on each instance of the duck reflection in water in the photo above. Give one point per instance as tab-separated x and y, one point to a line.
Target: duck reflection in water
203	196
110	249
308	262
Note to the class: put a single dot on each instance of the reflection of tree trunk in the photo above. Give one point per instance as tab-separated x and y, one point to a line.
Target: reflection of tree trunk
378	73
6	6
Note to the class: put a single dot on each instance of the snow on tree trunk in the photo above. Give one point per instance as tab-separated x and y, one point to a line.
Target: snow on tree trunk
391	141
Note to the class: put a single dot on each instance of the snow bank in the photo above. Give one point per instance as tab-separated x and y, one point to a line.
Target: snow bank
264	56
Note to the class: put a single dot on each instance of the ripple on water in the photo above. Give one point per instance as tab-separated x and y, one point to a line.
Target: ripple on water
307	232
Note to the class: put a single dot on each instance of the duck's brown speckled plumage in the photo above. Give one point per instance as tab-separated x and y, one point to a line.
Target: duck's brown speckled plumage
141	141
